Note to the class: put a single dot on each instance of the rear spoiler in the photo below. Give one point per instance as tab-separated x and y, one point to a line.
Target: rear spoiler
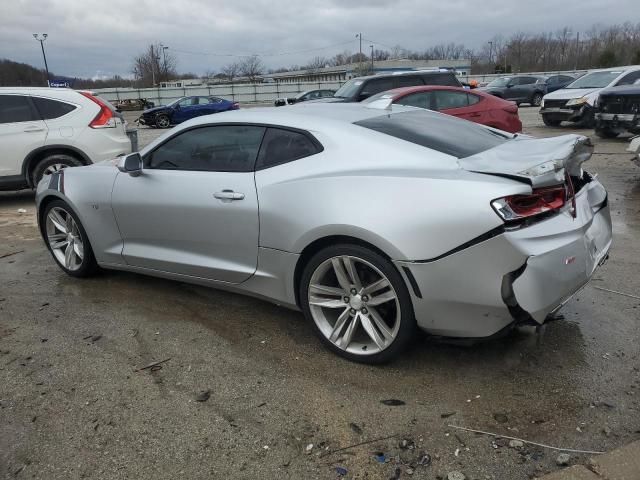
540	162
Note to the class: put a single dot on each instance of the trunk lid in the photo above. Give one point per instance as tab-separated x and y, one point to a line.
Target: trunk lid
540	162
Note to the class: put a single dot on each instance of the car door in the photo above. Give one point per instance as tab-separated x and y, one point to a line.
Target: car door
194	209
455	103
517	90
209	105
185	109
22	130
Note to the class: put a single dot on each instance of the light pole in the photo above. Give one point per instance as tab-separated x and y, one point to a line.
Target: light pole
490	51
164	56
41	39
371	58
359	35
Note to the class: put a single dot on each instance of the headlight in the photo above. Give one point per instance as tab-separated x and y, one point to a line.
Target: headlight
577	101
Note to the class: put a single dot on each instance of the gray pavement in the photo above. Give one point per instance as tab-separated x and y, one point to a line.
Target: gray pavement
74	404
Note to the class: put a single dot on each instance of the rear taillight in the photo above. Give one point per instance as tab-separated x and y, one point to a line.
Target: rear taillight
541	201
104	118
235	106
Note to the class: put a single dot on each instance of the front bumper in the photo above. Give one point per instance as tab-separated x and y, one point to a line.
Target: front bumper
519	276
618	120
568	114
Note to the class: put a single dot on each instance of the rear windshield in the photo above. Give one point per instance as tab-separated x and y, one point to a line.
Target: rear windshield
442	133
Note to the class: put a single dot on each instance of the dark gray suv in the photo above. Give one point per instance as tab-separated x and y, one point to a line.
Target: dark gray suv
361	88
519	88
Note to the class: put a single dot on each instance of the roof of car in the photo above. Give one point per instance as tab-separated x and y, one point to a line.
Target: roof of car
615	69
408	72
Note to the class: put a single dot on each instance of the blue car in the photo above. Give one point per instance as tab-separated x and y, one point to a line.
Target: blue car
184	109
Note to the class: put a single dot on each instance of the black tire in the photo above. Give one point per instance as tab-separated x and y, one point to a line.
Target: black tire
536	99
407	322
88	266
53	162
162	121
606	132
550	121
588	120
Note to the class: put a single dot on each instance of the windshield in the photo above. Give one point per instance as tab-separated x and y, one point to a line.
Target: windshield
349	89
175	102
595	80
500	82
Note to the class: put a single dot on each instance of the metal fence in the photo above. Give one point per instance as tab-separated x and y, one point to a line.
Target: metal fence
243	93
258	92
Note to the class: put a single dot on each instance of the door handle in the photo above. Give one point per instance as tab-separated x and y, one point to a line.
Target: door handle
228	195
35	129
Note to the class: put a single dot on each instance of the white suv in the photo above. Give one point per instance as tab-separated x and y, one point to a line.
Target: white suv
45	129
576	102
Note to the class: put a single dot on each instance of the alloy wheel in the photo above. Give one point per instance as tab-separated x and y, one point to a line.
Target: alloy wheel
354	305
64	238
163	121
56	167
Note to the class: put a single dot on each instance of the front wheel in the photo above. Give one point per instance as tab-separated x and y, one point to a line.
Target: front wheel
536	100
67	240
51	164
550	121
358	303
163	121
604	132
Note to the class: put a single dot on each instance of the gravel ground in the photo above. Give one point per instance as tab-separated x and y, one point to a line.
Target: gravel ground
75	404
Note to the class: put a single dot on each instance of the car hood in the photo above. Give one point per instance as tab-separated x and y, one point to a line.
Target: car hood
329	100
155	110
541	162
569	93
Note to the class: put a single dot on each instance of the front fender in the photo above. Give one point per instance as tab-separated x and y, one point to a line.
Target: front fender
87	191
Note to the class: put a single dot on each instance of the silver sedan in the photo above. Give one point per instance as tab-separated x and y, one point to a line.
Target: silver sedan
371	221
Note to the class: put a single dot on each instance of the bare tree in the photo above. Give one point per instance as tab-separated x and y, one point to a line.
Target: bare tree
252	67
153	66
317	63
231	70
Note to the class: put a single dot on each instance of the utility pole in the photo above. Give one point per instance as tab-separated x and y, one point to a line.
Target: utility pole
41	39
575	65
490	51
359	35
153	70
164	55
371	58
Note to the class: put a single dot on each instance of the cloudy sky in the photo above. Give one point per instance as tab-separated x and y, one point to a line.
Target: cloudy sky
90	38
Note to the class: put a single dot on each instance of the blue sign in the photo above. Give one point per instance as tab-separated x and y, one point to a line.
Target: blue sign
60	83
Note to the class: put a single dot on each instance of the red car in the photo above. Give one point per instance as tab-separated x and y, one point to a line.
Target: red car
471	105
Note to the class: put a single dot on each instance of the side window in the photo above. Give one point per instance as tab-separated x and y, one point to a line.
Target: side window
282	146
445	79
376	85
16	108
224	148
420	99
446	99
473	99
409	81
629	78
327	93
528	80
204	101
187	102
50	109
553	80
565	78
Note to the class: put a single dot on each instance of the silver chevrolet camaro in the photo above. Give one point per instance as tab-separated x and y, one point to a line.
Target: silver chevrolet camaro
372	221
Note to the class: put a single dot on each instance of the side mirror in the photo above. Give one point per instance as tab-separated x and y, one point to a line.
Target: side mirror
131	164
509	85
364	96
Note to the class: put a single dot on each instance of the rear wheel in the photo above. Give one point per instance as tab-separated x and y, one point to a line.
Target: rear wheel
51	164
551	121
604	132
67	241
536	100
162	121
358	303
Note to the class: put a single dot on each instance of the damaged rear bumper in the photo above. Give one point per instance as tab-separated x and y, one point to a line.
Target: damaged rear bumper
518	276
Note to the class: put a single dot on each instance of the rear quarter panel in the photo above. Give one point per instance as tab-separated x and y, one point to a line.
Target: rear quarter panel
411	202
